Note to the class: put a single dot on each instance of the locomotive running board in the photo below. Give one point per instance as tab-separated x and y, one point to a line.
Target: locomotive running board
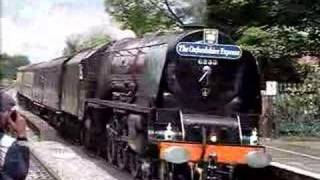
118	105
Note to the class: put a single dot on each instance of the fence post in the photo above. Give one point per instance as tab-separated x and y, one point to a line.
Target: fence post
266	122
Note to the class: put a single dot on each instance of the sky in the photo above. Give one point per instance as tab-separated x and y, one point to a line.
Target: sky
39	28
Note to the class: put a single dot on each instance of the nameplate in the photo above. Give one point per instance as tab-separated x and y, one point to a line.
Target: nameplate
204	50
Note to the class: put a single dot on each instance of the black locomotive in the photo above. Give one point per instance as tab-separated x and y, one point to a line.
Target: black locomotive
178	106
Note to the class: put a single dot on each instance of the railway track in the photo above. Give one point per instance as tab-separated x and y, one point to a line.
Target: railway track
39	171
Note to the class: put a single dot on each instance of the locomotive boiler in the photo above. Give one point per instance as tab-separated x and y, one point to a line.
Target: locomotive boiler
179	106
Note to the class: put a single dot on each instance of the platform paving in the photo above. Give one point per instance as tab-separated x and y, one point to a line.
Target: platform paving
302	156
66	160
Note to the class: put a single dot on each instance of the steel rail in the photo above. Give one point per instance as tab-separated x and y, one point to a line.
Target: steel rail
47	169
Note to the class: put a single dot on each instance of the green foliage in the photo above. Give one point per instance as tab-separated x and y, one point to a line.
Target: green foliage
236	14
287	28
141	16
276	47
232	15
277	42
297	13
10	64
79	42
301	129
297	111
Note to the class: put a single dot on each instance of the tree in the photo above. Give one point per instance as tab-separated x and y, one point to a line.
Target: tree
143	16
231	16
227	15
9	65
140	16
78	42
275	31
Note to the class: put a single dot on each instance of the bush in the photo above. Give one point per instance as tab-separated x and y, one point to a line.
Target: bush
296	110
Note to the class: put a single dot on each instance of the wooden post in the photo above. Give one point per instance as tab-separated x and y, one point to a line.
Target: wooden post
266	122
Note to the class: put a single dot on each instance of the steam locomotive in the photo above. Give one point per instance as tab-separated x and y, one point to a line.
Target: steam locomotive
179	106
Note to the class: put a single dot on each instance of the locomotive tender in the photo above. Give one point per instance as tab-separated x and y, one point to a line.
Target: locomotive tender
178	106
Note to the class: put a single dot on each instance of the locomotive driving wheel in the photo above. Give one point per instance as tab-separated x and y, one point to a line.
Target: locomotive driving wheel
134	164
86	133
122	157
111	150
169	171
146	170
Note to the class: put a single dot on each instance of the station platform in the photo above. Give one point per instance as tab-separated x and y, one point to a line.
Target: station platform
300	156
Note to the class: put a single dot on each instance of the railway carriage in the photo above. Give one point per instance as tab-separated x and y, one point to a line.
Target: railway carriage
25	82
41	83
178	106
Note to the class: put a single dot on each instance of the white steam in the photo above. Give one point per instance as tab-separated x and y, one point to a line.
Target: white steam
190	11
